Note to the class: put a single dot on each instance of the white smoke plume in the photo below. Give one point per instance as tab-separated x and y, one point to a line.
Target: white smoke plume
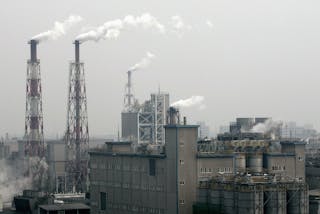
144	62
112	29
38	170
190	102
266	127
59	29
209	24
178	25
12	181
14	178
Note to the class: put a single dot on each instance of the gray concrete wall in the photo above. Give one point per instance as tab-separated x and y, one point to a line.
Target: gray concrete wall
129	125
128	184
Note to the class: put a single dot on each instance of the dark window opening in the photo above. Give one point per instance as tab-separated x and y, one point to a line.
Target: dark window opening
103	200
152	167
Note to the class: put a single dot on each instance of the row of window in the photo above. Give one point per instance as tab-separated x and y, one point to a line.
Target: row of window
210	170
277	167
131	208
127	167
155	188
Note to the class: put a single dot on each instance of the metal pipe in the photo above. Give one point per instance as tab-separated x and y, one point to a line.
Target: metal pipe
33	50
77	51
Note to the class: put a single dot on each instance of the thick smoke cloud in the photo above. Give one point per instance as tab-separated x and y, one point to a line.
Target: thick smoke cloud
112	29
190	102
59	29
144	62
266	127
12	181
14	178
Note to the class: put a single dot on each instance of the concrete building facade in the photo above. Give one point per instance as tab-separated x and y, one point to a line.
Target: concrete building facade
127	182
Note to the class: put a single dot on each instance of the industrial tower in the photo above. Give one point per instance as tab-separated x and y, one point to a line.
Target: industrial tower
33	136
77	133
129	99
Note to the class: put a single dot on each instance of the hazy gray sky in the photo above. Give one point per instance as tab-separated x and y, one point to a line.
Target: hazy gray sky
261	58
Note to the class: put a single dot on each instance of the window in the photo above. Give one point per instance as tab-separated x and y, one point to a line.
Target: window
181	162
181	182
103	200
152	167
181	201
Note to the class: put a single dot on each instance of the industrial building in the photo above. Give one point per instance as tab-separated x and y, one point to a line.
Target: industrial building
144	123
242	172
150	179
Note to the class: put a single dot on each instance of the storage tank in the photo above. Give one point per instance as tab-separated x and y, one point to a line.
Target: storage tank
275	201
228	202
255	162
240	162
203	195
297	201
215	201
250	201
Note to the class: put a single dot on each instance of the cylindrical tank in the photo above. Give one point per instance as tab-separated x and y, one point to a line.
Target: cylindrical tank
248	202
297	201
203	195
215	200
240	162
255	162
275	202
228	202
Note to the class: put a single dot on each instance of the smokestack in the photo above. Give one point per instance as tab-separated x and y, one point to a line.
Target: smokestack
33	48
77	51
184	120
173	116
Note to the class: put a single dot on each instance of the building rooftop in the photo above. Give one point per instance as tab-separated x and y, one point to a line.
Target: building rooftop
73	206
108	153
181	126
292	141
214	155
118	143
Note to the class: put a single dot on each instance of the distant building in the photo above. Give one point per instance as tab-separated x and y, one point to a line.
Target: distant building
204	130
145	123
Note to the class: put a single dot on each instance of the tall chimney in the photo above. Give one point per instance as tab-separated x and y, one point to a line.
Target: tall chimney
33	48
77	51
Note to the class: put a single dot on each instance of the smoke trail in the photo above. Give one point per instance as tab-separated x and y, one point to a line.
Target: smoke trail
59	29
112	29
209	24
178	25
144	62
192	101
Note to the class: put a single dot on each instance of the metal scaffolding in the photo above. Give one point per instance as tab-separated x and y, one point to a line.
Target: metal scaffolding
33	137
77	133
152	118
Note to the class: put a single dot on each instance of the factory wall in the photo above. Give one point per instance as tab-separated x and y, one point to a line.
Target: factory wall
129	183
129	127
144	183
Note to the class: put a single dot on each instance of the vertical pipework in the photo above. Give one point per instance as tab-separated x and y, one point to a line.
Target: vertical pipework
77	106
129	89
77	51
33	50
